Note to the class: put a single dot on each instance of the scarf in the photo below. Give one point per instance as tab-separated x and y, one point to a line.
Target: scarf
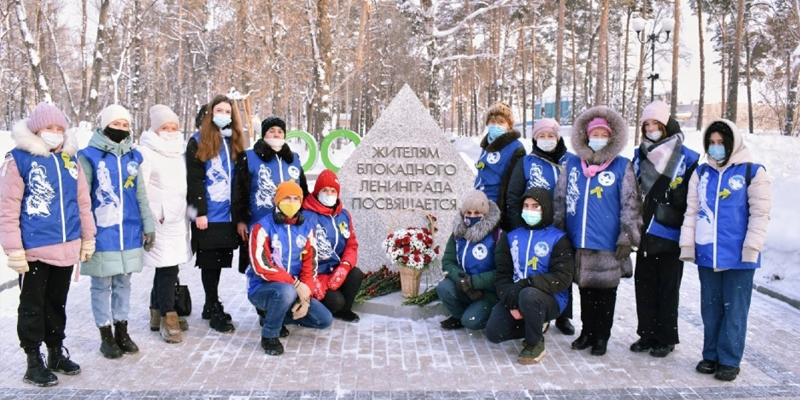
590	171
657	160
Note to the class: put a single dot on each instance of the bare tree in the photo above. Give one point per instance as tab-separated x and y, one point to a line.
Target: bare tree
676	44
39	80
701	101
733	76
602	54
560	57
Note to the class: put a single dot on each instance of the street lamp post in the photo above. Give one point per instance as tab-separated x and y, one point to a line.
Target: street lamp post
667	25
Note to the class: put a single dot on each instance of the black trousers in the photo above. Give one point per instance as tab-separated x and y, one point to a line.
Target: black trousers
162	295
658	283
567	313
342	299
42	305
597	312
536	308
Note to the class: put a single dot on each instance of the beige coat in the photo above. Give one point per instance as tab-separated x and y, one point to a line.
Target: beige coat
758	198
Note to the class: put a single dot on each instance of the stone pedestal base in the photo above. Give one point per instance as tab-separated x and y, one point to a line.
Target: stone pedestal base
391	305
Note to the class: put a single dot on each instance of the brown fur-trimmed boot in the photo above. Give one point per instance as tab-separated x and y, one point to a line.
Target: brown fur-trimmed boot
170	328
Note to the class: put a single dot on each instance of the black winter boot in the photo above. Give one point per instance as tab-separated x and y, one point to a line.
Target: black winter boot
108	346
208	311
220	321
123	340
57	361
272	346
37	374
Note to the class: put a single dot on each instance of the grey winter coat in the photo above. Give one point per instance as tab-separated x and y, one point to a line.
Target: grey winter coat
596	268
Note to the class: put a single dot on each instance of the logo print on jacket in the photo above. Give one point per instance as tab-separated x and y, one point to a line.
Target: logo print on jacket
480	251
573	193
294	172
42	194
537	177
219	190
300	241
266	188
541	249
705	217
515	256
108	212
736	182
493	157
277	250
344	230
606	178
324	247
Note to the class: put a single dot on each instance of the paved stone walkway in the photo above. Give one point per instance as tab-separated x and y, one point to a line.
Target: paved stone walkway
385	358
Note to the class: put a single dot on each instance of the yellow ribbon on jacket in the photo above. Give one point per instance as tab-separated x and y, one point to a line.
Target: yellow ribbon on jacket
68	164
597	191
724	194
534	262
674	184
129	182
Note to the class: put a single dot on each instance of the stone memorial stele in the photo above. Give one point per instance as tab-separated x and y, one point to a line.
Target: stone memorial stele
404	161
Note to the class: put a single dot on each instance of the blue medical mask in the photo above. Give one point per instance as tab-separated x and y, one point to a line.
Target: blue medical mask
531	217
470	221
717	152
222	120
495	131
597	144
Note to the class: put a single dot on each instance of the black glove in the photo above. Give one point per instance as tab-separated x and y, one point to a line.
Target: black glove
475	294
512	297
465	283
623	252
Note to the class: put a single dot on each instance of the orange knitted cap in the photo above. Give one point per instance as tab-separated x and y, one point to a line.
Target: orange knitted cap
286	189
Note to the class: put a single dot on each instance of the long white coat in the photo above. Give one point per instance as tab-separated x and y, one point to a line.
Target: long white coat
164	174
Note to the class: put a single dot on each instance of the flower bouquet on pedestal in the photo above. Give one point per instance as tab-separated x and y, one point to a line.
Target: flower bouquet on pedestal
412	249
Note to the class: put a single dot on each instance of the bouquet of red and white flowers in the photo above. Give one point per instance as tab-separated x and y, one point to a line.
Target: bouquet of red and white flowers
411	247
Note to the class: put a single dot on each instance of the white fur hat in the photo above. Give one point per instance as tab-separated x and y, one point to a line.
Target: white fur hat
161	115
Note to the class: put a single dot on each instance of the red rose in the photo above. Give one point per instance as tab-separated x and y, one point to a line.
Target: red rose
436	250
416	258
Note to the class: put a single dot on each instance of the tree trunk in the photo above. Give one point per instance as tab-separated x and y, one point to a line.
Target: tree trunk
791	97
560	57
733	76
676	44
701	102
625	63
573	100
602	54
97	63
321	47
64	80
722	64
84	63
747	75
39	80
432	50
136	79
639	81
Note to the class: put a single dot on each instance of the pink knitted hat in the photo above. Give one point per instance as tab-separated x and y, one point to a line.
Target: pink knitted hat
546	125
598	122
657	110
45	114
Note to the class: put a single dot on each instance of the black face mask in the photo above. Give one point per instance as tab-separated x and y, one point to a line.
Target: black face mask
116	135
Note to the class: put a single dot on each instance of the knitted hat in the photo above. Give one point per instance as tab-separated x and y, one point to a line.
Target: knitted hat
287	188
326	178
271	121
546	125
657	110
598	122
112	113
475	200
502	110
45	114
161	115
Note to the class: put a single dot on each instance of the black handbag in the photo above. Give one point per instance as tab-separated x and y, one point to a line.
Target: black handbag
669	215
183	300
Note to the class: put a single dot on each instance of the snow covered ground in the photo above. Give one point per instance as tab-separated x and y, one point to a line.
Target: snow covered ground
780	155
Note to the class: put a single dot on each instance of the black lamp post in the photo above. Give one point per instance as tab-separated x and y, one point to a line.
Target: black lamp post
667	25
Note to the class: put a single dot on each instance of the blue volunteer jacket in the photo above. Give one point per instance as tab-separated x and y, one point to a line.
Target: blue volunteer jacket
594	205
286	244
542	173
477	257
264	180
491	167
49	212
531	250
218	182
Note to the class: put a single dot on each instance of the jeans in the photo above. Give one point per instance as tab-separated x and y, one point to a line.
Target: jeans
473	314
111	299
42	305
724	305
277	298
536	308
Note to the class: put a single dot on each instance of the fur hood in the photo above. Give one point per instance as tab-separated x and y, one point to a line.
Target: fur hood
616	143
266	153
501	142
477	232
28	141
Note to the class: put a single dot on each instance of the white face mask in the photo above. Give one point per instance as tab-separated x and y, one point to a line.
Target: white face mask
275	144
547	145
226	132
170	136
52	140
654	135
327	200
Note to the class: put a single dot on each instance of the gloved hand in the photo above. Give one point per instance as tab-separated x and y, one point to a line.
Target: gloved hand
18	262
337	277
465	283
149	241
512	298
300	309
475	294
623	252
319	290
303	291
87	249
